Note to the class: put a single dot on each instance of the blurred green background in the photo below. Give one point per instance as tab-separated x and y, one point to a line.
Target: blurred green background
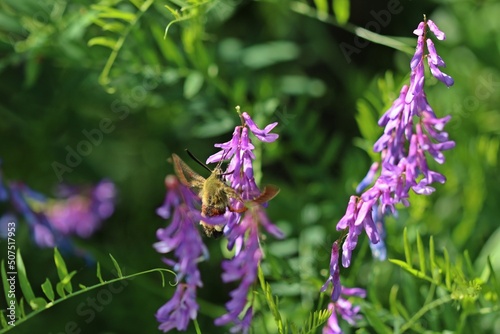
280	61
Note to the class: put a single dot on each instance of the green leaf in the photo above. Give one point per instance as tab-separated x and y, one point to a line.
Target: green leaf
114	27
111	13
493	277
316	319
62	272
393	299
3	321
47	289
67	279
193	84
24	283
60	290
38	303
21	308
407	247
167	47
411	270
5	283
321	6
103	41
32	71
432	253
262	281
342	10
271	302
421	253
267	54
448	269
468	263
117	267
98	274
375	321
137	3
366	120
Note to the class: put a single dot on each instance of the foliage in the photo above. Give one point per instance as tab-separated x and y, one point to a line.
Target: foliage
64	288
168	75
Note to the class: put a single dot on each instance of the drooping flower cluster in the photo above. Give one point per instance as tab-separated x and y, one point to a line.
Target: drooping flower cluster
412	132
241	230
76	211
245	234
338	304
182	237
345	309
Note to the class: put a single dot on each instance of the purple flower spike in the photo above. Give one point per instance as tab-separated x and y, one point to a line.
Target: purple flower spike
243	267
334	277
243	234
412	133
81	214
77	211
181	308
242	231
345	309
181	237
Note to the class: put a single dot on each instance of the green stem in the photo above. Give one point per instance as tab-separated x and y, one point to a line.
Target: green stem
51	304
304	9
423	310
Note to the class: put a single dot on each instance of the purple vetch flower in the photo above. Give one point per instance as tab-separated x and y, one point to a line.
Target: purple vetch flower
183	238
412	133
243	233
4	194
82	214
379	250
177	312
345	309
334	277
240	152
77	211
242	267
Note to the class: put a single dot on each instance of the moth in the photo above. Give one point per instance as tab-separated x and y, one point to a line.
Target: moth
214	192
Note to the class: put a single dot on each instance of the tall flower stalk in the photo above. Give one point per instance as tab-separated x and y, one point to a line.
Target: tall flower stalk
181	237
242	228
412	133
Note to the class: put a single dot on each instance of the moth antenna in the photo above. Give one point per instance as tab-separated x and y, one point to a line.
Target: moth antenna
198	161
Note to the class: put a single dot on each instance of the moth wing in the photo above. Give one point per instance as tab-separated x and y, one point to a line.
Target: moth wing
186	175
269	192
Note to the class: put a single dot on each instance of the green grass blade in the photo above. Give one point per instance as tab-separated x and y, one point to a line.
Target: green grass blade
447	269
421	253
407	248
411	270
375	321
432	253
